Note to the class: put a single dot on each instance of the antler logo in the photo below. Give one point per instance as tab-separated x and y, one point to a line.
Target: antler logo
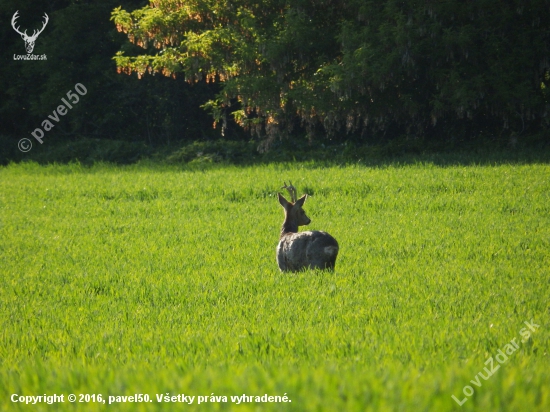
29	40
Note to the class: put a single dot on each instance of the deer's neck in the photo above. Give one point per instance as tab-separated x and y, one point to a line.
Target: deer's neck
289	226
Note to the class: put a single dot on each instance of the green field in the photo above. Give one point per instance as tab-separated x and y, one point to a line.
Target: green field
152	279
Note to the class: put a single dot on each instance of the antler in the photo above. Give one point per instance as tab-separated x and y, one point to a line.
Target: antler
291	189
13	20
37	32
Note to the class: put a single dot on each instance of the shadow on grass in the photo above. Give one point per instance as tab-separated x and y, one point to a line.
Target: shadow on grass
206	154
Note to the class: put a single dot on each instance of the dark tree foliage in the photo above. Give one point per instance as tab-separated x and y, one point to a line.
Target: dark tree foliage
440	69
470	66
79	42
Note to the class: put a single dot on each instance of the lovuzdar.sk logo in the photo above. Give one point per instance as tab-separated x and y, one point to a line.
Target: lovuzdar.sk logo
29	40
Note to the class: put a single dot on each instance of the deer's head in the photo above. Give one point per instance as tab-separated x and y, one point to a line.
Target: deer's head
294	211
294	214
29	40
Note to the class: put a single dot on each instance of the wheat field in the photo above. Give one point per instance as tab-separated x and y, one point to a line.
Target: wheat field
137	288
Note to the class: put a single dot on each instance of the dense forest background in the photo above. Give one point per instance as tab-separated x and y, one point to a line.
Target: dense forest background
171	73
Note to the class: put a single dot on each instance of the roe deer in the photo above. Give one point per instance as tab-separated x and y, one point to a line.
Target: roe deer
311	249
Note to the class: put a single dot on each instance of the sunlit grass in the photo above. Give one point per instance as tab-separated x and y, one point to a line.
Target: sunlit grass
154	279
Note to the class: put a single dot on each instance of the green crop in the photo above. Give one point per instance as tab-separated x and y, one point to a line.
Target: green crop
157	280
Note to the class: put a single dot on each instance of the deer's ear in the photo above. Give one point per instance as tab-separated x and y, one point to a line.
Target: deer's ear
282	200
300	202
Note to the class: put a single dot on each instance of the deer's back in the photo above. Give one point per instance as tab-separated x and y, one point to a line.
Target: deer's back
311	249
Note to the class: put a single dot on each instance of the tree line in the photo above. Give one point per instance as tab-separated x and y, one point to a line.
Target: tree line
366	68
360	70
79	42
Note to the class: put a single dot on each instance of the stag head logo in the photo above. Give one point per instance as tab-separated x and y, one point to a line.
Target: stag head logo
29	40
